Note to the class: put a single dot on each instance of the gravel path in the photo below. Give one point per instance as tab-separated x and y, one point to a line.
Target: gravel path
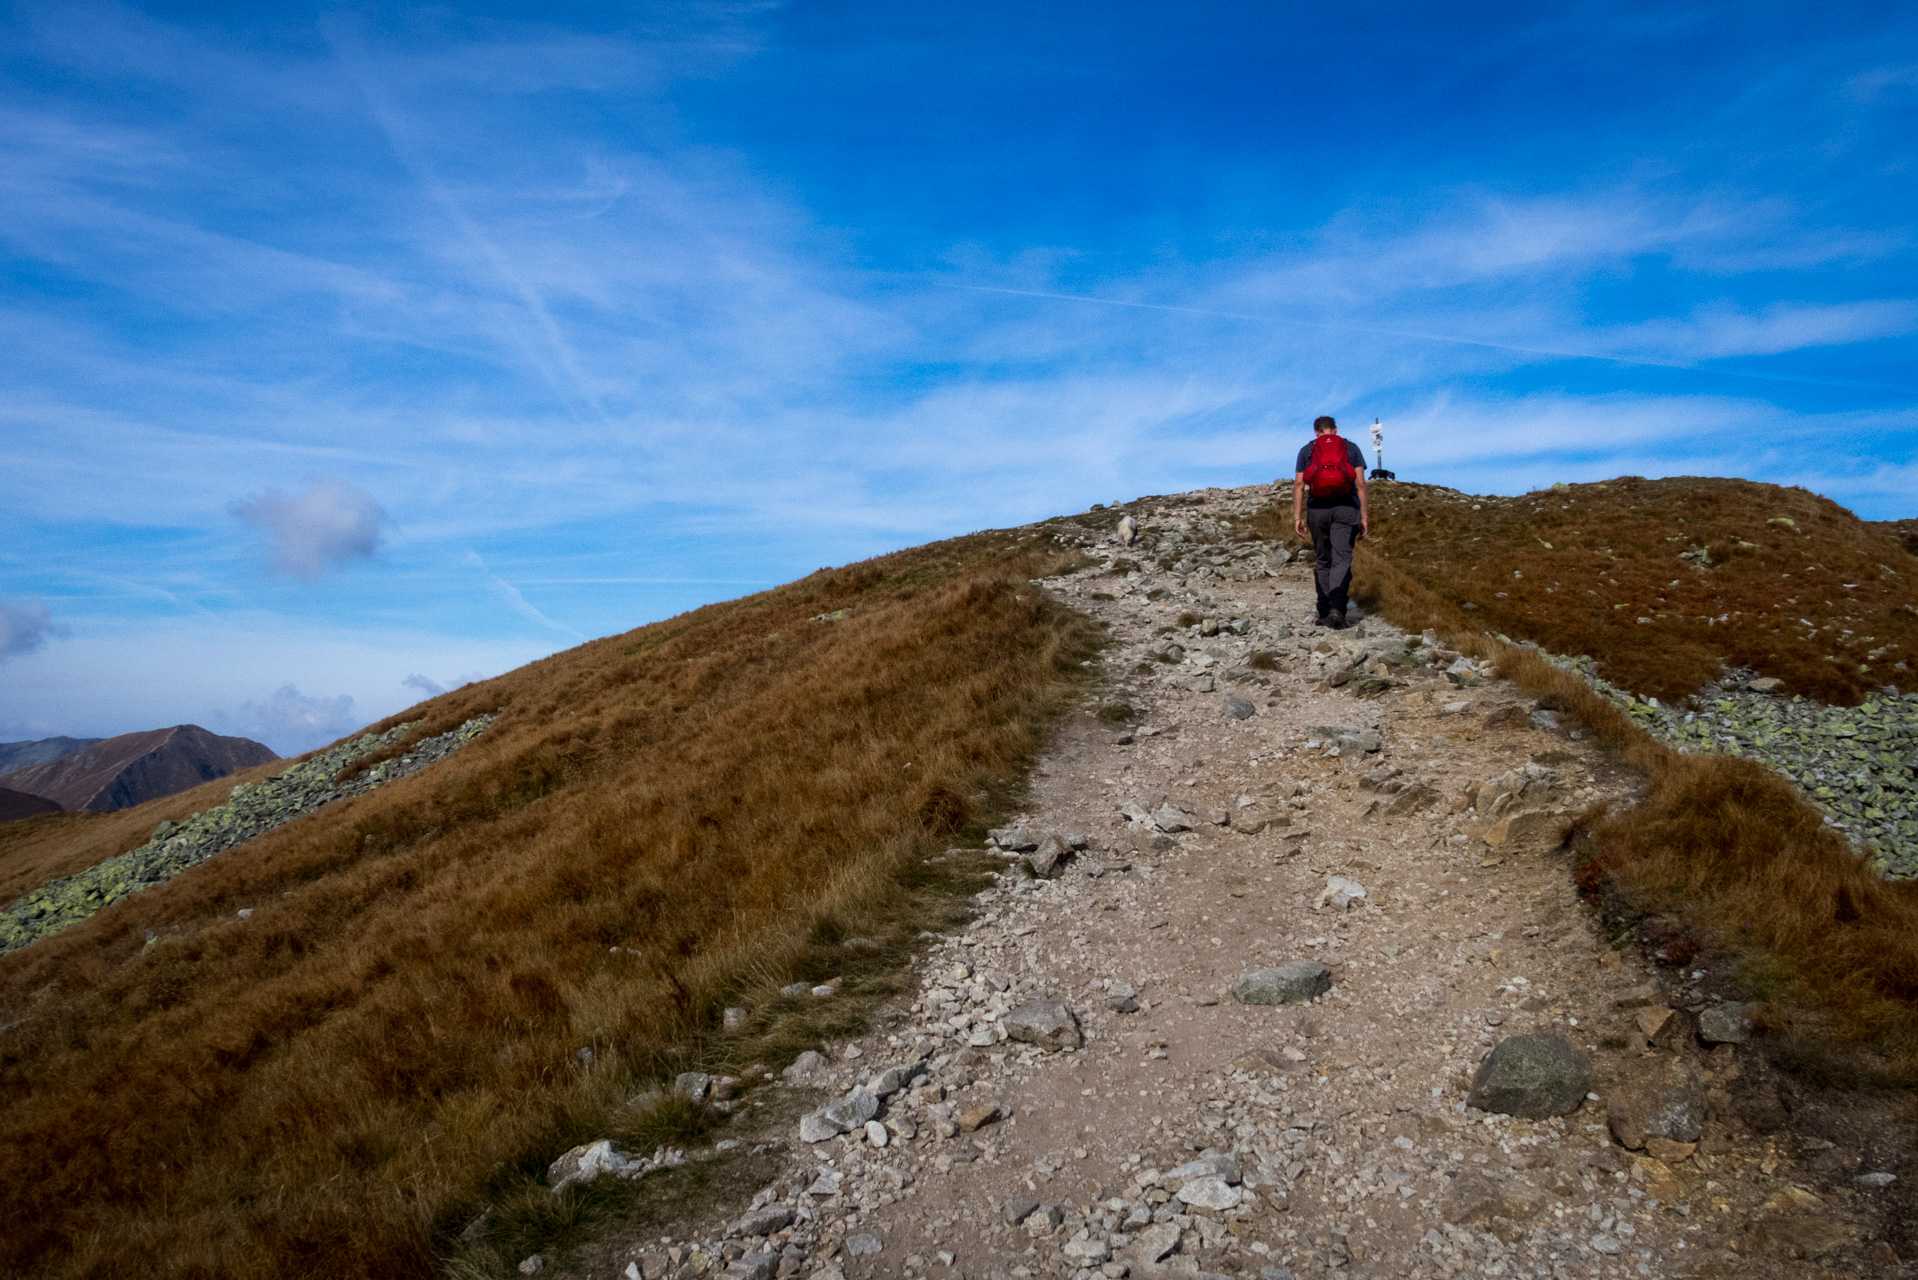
1402	841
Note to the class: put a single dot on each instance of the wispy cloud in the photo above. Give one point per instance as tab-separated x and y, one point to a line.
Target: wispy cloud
326	525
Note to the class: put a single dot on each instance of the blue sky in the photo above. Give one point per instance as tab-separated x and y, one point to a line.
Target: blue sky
353	352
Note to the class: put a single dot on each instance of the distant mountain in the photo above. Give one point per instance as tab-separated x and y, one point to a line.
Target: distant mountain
20	755
18	804
117	773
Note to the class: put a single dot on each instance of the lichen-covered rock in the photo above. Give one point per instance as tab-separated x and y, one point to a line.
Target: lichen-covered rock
1044	1022
1532	1077
1294	982
1727	1023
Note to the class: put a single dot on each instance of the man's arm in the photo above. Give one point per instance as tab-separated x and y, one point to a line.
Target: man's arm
1298	505
1365	522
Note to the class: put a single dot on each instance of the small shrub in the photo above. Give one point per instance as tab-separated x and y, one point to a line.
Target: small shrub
1116	713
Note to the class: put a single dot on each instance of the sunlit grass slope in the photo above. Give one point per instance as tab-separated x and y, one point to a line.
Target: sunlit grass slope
335	1084
1724	572
1721	848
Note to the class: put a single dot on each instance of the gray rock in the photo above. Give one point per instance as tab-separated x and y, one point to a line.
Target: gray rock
1727	1023
1876	1179
1341	894
1240	709
763	1222
754	1266
852	1111
1044	1220
1666	1101
796	990
1543	719
827	1183
1532	1077
1047	859
735	1018
1015	839
588	1161
1167	818
1156	1242
814	1127
1294	982
1201	683
1018	1207
1210	1192
693	1085
863	1244
1219	1166
531	1266
1089	1252
893	1079
804	1065
1044	1022
1121	998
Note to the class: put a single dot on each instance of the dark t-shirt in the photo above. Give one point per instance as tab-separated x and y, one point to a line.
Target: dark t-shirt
1350	498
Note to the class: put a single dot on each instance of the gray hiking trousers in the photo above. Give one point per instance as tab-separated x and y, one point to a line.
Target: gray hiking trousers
1334	530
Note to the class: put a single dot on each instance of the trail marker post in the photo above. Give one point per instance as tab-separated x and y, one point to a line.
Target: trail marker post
1378	451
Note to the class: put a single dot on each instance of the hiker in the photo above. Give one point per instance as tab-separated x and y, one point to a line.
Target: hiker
1328	506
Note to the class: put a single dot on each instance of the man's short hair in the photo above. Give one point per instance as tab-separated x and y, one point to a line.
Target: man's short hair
1324	423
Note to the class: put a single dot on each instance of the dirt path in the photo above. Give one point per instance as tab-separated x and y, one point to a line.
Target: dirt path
1337	1135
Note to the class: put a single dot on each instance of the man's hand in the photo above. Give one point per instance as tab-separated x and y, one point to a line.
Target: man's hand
1298	527
1365	525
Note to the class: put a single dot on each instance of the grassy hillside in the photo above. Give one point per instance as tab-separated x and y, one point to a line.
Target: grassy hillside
1723	853
1667	581
658	823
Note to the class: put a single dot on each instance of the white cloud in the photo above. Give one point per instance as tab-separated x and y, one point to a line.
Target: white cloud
321	527
24	627
291	722
430	688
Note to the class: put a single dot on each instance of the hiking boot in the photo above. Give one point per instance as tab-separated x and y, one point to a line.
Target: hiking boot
1323	620
1337	623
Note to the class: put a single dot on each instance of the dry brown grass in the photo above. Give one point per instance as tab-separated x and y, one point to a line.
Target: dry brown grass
1722	845
1825	603
335	1085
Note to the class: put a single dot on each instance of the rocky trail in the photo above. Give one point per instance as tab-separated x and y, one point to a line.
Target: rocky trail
1290	980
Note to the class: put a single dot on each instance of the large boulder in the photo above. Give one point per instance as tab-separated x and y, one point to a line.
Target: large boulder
1727	1023
1532	1077
1667	1101
1044	1022
1294	982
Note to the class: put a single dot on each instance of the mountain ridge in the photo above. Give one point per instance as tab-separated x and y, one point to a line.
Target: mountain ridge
134	768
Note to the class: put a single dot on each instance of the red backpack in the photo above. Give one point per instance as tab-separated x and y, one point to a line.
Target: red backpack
1328	471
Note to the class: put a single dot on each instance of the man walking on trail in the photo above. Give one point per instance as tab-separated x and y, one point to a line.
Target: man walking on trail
1328	506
